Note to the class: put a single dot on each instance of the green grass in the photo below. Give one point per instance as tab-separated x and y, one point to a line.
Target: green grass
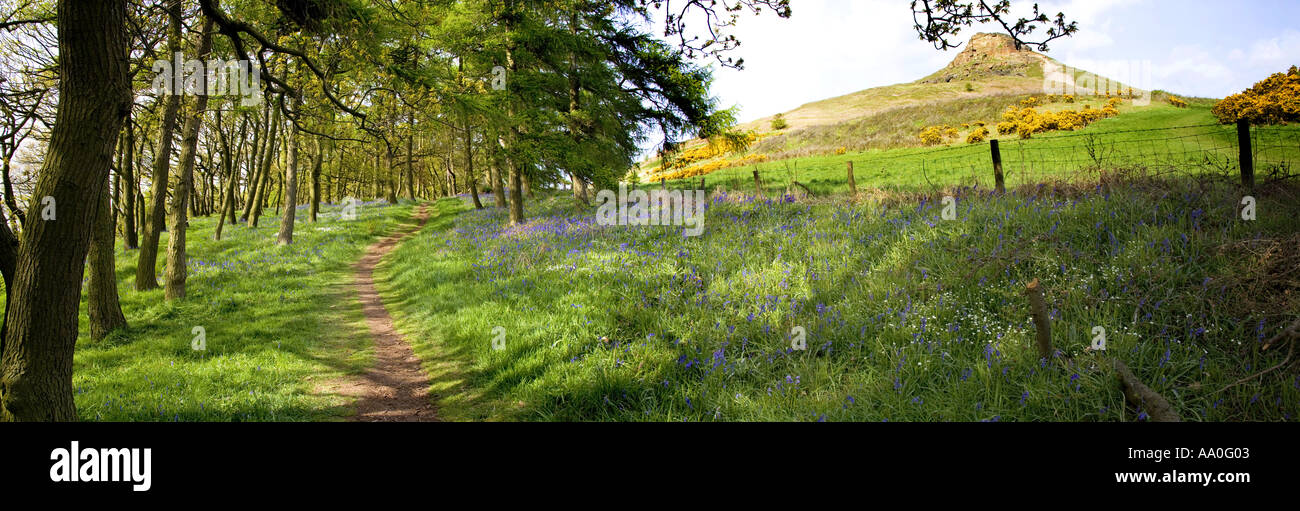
908	317
1123	141
279	321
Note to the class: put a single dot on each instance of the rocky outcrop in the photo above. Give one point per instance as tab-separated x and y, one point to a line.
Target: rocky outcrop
989	55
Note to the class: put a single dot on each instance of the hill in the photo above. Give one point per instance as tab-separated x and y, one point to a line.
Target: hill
990	64
987	76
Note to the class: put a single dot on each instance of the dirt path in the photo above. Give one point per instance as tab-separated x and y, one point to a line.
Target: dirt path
395	389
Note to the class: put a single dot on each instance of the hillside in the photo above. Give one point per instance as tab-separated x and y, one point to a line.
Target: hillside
987	76
990	64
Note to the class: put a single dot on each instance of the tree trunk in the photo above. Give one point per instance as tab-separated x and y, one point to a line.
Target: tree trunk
410	158
146	276
132	240
469	165
498	187
314	209
232	179
181	198
41	323
9	192
8	262
285	237
388	172
516	194
268	159
255	162
102	305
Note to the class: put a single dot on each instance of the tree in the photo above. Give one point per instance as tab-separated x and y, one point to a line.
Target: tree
41	323
146	267
778	122
176	256
103	308
285	236
938	20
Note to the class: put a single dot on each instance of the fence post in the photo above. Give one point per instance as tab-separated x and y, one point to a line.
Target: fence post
1042	323
702	187
853	185
997	166
1247	156
758	184
663	184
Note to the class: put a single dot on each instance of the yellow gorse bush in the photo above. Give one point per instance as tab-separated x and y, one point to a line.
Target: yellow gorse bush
1025	120
689	161
1275	100
709	167
932	135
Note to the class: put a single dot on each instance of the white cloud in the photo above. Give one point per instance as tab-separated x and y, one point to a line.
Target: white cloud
1278	53
826	49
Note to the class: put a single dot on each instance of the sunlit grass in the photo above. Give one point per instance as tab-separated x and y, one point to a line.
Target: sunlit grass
908	317
279	322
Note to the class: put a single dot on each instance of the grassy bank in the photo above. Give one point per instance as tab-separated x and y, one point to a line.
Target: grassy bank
907	316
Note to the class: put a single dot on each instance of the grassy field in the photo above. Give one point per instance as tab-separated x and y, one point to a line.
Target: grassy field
278	321
908	317
1140	136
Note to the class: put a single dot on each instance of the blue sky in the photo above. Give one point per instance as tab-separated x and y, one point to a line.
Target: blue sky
834	47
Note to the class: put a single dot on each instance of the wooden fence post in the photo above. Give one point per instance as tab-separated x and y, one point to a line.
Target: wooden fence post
1247	156
663	184
1038	309
997	166
758	184
702	187
853	185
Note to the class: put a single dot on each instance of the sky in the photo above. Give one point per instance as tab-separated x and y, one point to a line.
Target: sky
835	47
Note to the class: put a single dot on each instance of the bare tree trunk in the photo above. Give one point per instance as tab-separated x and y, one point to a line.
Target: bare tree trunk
516	194
41	323
132	239
498	185
255	161
103	307
314	209
388	173
285	237
260	197
8	264
410	159
181	197
9	192
146	272
469	165
231	168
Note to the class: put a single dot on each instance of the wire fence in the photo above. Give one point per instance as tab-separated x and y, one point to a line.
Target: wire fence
1187	150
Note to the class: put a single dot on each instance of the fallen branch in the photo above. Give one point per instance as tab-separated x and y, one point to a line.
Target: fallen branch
1140	395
